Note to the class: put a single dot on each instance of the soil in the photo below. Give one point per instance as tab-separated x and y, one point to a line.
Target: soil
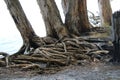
95	71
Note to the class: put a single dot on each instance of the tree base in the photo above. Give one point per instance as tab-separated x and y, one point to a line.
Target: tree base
75	51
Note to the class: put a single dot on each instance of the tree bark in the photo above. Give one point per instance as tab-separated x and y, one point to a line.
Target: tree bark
22	23
57	50
54	25
105	12
76	18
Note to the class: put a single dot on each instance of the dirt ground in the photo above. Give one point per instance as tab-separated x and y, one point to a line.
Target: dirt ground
89	72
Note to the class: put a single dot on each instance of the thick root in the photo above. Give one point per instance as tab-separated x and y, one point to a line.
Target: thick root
54	53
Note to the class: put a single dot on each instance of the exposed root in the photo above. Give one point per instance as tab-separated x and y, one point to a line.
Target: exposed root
6	56
64	52
65	49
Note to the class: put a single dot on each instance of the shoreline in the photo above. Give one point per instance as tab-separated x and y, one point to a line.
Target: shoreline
95	71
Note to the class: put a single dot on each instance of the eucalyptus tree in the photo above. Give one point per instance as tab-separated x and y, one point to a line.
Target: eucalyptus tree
105	12
76	21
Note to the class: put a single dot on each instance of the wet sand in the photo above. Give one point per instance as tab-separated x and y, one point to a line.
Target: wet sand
92	72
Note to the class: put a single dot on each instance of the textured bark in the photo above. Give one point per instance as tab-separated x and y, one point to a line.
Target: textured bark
57	49
54	25
76	18
116	28
22	23
105	12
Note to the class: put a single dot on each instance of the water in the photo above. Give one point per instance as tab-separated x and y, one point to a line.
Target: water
10	44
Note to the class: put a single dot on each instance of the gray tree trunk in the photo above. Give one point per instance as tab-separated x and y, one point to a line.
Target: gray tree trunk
54	25
22	23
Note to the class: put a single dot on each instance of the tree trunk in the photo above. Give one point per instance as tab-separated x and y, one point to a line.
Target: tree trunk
22	23
76	18
54	25
105	12
51	51
116	42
